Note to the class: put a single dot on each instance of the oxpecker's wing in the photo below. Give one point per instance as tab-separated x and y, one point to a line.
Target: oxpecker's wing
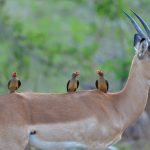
68	85
77	83
19	83
9	83
107	84
96	84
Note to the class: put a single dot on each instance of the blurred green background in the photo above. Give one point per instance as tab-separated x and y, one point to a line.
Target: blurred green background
44	41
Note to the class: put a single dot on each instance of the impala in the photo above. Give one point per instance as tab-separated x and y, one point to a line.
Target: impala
87	119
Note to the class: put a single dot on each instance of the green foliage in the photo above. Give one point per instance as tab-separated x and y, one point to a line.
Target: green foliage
110	8
45	41
122	146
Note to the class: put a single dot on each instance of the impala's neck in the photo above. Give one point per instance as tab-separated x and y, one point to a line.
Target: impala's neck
133	97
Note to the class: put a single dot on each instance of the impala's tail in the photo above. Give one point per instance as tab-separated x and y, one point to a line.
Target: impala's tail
35	141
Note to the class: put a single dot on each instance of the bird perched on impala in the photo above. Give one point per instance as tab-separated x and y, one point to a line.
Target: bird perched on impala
73	83
14	83
101	83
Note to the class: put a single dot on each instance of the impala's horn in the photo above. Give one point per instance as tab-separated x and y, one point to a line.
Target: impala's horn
143	23
138	29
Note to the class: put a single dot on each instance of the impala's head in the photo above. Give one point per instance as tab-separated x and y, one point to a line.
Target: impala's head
14	74
100	73
75	74
141	40
142	44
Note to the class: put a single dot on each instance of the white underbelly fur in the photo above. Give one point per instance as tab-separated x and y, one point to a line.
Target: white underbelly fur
88	132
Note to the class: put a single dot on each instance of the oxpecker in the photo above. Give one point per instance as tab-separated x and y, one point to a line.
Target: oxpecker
14	83
101	83
73	83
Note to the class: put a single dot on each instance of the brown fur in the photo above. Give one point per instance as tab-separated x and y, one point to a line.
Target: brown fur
69	116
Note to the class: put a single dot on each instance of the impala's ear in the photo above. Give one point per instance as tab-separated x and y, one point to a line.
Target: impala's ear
137	39
142	48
